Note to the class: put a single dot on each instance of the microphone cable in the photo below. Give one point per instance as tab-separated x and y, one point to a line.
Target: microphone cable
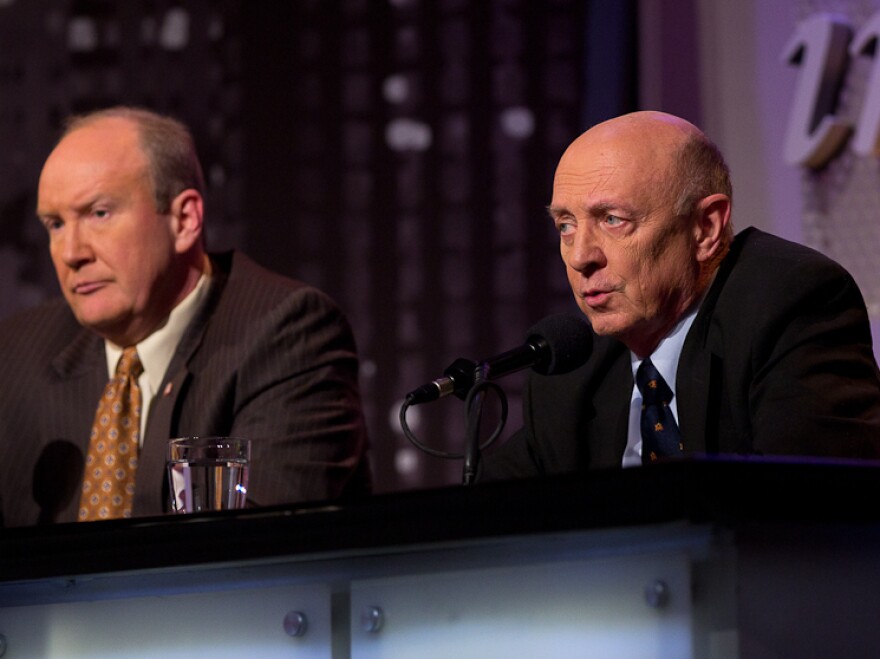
478	388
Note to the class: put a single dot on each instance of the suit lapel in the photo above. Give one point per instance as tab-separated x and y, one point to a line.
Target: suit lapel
81	355
81	374
694	386
607	419
622	384
700	379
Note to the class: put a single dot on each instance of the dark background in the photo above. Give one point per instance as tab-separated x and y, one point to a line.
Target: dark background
396	153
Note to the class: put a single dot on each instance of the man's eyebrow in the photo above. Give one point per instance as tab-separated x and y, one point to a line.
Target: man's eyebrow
556	211
597	208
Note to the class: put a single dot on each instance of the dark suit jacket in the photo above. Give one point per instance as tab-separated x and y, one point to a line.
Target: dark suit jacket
778	361
267	358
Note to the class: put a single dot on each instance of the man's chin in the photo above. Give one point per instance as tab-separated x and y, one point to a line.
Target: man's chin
103	324
608	324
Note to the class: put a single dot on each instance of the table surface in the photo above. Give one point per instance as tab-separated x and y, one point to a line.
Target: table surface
727	493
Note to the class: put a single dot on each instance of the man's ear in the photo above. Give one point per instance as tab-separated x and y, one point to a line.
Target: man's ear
187	217
712	221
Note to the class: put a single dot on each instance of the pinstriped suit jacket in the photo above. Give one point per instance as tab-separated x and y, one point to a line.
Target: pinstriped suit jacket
267	358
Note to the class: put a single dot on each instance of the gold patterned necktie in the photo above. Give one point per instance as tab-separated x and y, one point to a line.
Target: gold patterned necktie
111	463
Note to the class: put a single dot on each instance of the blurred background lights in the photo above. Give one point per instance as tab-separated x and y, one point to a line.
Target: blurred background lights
174	34
395	89
408	135
406	461
82	34
368	368
518	122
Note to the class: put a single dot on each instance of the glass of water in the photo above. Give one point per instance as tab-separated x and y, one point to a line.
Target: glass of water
208	473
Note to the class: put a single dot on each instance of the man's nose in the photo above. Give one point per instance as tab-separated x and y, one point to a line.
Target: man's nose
586	254
75	249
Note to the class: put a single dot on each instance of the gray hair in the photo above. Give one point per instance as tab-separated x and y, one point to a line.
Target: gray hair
701	171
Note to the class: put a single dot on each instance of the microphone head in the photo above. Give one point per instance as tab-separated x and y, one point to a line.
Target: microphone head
564	342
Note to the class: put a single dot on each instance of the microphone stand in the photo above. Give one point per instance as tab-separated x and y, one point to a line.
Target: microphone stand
474	403
473	411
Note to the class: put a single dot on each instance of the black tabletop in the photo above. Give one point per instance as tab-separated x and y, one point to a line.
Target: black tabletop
728	493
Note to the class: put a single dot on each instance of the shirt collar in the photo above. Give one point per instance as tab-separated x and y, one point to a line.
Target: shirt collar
666	354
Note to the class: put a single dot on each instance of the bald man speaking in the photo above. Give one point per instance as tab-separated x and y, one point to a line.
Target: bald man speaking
705	343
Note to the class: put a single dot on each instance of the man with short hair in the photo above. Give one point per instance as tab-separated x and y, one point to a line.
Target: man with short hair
217	346
704	343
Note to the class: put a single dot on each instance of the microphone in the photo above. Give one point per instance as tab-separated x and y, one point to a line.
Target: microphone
555	345
457	379
57	476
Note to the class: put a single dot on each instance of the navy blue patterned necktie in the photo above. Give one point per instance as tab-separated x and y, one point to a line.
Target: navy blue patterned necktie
660	435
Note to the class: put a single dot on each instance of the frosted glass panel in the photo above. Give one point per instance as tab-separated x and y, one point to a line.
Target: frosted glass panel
594	608
233	623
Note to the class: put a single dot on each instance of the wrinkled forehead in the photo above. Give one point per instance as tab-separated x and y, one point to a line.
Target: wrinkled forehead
616	165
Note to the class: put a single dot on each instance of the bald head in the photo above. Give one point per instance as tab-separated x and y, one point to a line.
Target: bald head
646	129
663	150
